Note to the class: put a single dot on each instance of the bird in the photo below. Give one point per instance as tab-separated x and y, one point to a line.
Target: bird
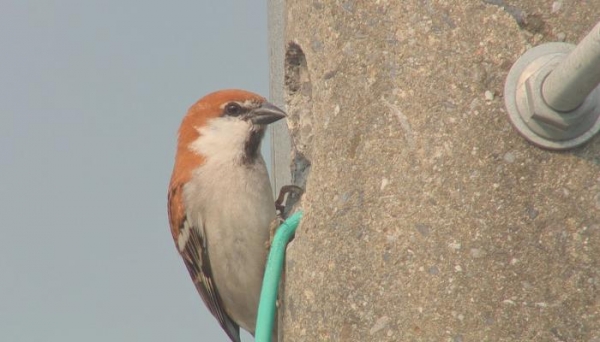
220	203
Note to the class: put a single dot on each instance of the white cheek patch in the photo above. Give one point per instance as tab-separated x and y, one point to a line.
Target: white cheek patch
222	138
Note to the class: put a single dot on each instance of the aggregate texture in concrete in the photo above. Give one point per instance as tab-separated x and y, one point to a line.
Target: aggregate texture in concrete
427	218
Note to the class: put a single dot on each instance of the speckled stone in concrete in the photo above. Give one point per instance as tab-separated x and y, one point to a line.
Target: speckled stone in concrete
427	218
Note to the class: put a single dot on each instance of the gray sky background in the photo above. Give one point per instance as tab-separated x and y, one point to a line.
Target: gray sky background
91	96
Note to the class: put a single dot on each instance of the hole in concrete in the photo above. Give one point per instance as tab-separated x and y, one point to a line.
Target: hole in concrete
295	62
300	170
298	90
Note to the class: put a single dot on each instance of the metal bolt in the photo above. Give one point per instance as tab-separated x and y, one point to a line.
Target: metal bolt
552	93
576	76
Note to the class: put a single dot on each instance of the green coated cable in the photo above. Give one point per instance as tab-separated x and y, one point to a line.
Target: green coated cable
268	293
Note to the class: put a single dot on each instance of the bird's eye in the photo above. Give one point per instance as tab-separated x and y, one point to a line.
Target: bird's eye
233	109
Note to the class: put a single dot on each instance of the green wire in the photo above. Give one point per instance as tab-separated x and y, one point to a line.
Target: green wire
268	293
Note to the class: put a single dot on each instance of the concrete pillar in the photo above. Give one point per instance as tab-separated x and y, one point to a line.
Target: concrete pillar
427	218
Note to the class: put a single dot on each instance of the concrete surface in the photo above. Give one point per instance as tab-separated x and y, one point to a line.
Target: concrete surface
427	218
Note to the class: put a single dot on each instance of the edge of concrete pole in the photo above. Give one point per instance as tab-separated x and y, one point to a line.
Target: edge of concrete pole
279	133
280	137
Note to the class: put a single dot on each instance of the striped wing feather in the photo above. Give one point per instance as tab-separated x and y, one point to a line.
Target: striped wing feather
197	261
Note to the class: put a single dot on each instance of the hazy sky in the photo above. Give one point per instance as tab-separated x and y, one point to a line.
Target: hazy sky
91	96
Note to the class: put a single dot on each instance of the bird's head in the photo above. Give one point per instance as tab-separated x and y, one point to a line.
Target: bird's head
227	124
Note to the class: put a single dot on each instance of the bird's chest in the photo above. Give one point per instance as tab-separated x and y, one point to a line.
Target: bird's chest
233	204
233	207
230	196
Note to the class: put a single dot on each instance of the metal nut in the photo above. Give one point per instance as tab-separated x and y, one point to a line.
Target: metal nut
540	111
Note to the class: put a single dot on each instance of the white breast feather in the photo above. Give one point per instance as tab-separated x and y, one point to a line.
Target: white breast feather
234	203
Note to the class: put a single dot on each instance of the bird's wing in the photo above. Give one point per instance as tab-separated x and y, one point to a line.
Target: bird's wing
191	243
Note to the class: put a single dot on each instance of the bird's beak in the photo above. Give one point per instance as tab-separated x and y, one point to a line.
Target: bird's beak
266	114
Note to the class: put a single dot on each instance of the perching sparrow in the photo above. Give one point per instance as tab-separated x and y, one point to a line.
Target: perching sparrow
221	204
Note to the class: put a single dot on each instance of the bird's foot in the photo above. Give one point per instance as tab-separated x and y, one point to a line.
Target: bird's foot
290	194
293	193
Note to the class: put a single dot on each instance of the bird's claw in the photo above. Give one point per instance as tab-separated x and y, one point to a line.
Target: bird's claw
289	190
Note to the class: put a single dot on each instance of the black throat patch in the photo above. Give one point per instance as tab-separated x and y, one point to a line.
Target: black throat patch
252	145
